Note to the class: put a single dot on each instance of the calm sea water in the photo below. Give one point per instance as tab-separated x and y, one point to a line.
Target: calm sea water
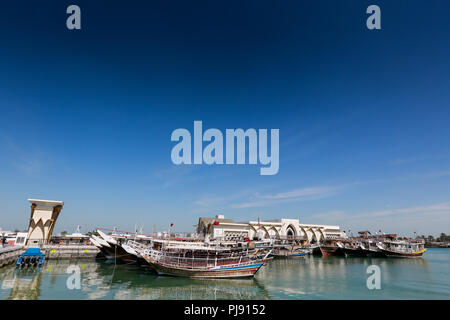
301	278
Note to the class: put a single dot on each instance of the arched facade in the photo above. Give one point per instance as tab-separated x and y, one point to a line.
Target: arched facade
273	233
290	232
273	229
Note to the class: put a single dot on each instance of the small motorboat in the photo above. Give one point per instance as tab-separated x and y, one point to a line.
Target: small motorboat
32	257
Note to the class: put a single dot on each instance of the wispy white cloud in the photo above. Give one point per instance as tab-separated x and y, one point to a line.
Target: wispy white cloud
30	166
400	161
175	175
436	174
303	194
420	157
300	193
417	218
29	162
208	202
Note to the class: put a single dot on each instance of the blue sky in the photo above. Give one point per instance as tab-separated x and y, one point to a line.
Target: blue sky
86	116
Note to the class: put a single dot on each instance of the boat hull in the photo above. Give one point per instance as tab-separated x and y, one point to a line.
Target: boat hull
125	257
116	252
374	253
107	252
289	255
396	254
330	251
353	252
244	271
316	251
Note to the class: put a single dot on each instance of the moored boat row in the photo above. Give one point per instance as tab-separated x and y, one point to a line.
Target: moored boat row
374	246
210	259
192	259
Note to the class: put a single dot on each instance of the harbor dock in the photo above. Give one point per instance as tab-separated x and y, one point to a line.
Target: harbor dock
70	251
9	254
280	238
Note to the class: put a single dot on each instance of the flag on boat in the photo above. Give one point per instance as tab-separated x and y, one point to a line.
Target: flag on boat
171	225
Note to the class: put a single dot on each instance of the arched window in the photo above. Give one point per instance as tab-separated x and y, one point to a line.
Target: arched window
290	233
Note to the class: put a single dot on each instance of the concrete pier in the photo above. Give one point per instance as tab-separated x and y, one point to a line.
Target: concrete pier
69	252
9	254
52	252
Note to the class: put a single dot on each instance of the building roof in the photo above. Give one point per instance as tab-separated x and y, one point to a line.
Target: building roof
46	204
209	220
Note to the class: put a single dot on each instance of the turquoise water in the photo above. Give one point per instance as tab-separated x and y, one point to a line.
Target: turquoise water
301	278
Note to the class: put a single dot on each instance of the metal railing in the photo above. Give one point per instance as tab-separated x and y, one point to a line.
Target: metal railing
57	242
203	263
178	260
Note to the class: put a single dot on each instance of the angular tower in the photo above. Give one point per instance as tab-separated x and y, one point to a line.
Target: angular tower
42	220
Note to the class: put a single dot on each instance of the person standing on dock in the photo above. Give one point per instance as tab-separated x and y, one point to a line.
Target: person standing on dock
3	241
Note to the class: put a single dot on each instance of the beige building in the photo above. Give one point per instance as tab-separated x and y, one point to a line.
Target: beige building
220	228
44	214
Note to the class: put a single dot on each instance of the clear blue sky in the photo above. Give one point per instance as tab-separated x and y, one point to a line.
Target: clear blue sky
86	116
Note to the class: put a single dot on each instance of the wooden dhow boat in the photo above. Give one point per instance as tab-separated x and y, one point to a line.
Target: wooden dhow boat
370	249
330	247
286	251
351	249
329	250
134	248
201	261
403	248
104	246
118	249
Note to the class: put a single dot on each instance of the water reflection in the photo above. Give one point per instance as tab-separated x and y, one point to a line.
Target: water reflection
137	283
100	280
315	277
22	284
